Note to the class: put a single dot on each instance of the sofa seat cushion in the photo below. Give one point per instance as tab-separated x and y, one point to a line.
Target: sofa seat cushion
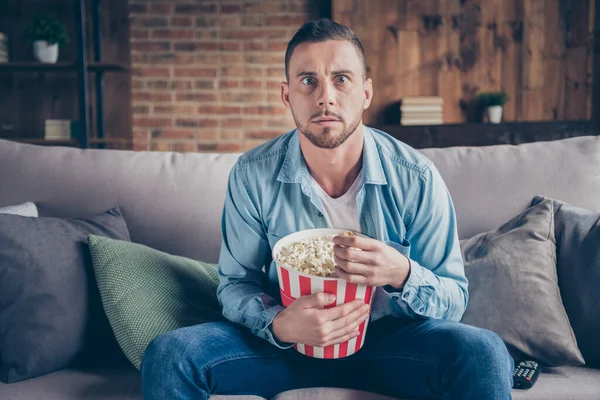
93	384
573	383
122	383
329	394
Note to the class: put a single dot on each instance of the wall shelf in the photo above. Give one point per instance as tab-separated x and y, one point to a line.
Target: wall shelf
484	134
93	70
59	67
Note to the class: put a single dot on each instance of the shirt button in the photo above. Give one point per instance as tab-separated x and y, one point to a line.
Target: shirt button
264	324
405	295
320	214
395	297
243	319
422	309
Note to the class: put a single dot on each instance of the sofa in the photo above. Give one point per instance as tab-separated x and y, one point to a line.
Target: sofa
173	202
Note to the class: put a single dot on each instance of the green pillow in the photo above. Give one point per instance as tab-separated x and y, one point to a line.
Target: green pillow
146	292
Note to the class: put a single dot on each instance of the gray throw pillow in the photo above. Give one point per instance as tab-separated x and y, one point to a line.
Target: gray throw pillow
51	315
577	233
513	288
27	209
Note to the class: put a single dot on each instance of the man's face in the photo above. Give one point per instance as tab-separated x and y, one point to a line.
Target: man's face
327	91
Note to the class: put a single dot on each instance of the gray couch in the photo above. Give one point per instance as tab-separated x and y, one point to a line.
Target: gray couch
173	202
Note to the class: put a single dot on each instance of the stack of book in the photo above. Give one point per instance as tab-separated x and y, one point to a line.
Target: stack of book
3	48
57	129
422	110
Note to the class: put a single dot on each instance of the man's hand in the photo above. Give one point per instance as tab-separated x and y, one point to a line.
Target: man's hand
306	321
374	264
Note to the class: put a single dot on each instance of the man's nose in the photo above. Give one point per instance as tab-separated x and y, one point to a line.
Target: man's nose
326	95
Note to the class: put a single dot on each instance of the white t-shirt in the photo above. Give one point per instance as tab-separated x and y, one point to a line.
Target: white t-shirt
342	213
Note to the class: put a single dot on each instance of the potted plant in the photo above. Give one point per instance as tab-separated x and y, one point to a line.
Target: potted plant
46	33
492	103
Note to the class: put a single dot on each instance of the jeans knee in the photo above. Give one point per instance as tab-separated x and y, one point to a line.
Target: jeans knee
484	348
165	351
477	346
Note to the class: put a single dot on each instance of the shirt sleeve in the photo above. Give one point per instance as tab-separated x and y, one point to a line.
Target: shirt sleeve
437	285
244	251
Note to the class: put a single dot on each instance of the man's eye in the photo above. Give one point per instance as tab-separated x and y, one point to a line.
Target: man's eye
341	79
308	81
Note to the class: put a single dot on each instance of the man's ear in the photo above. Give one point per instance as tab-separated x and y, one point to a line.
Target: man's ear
285	94
368	87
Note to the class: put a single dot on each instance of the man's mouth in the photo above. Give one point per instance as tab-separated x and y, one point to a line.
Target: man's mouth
326	121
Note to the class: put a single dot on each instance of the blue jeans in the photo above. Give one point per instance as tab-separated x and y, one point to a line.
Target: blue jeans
425	358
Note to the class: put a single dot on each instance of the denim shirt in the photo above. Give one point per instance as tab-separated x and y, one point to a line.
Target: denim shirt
403	202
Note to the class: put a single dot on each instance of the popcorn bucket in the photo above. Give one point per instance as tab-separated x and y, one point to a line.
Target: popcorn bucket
293	284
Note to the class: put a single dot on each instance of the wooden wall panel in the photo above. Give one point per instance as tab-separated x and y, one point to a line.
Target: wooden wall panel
449	74
539	51
533	45
510	41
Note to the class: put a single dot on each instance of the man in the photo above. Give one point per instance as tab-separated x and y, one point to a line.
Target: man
332	171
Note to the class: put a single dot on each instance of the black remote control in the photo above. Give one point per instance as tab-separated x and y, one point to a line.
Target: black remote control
525	375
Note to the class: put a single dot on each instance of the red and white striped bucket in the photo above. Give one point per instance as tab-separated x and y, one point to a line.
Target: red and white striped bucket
293	284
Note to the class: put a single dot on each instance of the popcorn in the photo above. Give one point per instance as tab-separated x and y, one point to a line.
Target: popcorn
311	256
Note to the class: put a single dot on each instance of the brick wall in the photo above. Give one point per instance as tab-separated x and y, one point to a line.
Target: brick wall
206	74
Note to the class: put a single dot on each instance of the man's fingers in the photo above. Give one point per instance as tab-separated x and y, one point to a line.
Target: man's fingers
317	300
345	333
352	278
349	320
363	243
354	267
331	314
352	254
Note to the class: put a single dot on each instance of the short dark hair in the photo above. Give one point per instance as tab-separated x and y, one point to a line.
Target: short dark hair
320	30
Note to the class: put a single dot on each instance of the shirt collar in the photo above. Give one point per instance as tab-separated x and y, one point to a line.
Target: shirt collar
294	169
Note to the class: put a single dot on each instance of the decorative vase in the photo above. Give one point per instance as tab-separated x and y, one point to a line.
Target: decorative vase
494	114
44	52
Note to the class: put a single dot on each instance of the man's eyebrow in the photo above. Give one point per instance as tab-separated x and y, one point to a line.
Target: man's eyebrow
311	73
342	72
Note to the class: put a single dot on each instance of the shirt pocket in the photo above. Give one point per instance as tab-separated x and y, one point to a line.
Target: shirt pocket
403	247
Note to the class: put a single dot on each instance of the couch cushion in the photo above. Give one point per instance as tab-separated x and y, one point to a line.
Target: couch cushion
329	394
171	201
513	288
491	184
573	383
578	251
146	292
50	311
89	384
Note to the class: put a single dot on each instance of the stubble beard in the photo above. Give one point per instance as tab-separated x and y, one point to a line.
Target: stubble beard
326	140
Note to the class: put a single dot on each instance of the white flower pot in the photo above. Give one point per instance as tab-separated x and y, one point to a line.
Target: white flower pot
494	114
45	53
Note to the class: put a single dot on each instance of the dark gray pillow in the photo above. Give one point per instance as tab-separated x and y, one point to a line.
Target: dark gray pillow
51	315
513	288
578	248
